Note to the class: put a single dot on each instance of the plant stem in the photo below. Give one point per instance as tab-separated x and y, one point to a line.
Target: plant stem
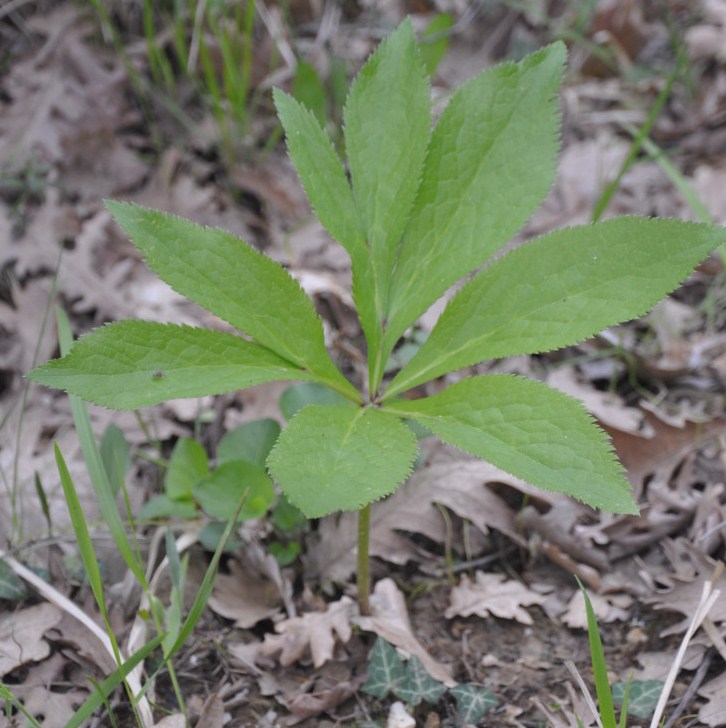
364	577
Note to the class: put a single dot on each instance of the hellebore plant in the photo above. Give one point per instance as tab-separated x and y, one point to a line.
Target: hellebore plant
425	205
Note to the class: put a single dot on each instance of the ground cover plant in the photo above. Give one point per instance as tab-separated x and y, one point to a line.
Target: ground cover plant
424	208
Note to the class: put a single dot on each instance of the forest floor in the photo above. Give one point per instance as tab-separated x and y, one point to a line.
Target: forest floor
284	644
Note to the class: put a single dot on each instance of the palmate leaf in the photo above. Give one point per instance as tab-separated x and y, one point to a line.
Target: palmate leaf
341	458
419	685
220	272
529	430
471	703
132	364
491	162
560	289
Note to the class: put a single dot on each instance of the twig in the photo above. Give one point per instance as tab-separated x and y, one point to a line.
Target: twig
691	691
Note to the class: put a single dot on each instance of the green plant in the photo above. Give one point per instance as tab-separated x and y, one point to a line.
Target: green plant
637	698
422	210
411	683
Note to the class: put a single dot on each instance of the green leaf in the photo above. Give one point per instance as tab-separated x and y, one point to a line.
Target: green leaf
561	289
419	685
12	587
435	41
220	272
221	490
341	458
599	667
385	670
164	507
529	430
642	697
286	517
131	364
188	464
308	89
321	173
326	185
387	121
251	441
471	703
115	456
491	162
301	395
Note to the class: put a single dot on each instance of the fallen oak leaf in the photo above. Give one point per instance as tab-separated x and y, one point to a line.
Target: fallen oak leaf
315	630
308	705
389	620
489	595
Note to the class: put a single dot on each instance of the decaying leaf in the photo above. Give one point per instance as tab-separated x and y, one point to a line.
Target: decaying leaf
607	608
253	590
714	691
389	620
492	594
316	631
458	484
21	635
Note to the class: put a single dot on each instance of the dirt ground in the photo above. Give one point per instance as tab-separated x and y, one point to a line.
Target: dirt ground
285	645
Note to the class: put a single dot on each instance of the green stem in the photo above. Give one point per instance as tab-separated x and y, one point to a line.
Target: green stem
364	577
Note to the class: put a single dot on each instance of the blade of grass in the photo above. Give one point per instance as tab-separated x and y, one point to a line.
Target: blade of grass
6	695
207	584
93	574
599	668
643	132
570	665
105	688
679	182
94	463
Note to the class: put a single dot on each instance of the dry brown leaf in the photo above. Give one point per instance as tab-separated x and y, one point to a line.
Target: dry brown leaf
316	631
308	705
609	409
714	712
607	608
389	620
461	485
252	591
172	721
212	715
21	635
685	594
53	708
492	594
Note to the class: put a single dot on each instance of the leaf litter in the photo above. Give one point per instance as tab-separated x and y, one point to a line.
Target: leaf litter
83	143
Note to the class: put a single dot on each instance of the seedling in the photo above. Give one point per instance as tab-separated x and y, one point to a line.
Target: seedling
423	209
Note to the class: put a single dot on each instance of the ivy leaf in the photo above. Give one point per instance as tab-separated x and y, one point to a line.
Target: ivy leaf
386	672
220	272
561	289
419	685
387	119
491	162
341	458
131	364
472	702
12	587
642	698
529	430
